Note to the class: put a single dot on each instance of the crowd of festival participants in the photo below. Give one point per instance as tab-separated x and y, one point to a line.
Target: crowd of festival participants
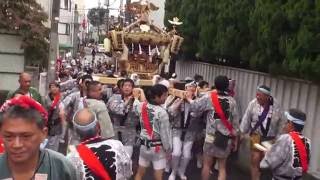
84	129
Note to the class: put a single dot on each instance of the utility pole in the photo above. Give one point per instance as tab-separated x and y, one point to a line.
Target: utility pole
99	20
54	41
76	43
128	16
121	14
107	16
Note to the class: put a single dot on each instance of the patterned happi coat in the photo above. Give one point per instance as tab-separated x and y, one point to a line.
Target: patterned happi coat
68	87
184	122
55	127
228	104
54	122
214	123
250	119
101	112
112	156
283	158
71	104
124	119
159	120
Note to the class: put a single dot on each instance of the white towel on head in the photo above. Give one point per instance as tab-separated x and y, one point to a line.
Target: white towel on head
165	82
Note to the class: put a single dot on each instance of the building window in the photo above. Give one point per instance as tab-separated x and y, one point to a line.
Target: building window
64	4
64	28
70	6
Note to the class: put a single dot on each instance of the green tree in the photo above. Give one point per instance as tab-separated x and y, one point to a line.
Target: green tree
189	29
26	18
171	10
232	32
97	18
206	28
279	37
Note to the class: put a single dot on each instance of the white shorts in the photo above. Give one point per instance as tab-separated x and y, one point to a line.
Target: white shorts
157	164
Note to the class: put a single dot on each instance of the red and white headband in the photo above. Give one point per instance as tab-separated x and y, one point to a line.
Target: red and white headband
25	102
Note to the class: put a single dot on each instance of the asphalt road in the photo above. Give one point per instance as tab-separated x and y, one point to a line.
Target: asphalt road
194	173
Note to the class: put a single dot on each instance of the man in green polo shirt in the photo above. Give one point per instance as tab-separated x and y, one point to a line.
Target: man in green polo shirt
25	88
23	128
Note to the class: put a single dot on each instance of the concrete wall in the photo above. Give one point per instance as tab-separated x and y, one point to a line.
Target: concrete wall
291	93
11	60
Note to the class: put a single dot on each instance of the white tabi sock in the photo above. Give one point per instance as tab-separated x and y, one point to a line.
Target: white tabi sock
183	166
175	163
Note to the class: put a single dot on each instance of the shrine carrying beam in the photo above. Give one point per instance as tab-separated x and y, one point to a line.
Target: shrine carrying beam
110	80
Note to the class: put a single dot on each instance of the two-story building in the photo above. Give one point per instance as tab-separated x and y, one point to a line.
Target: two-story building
66	27
71	15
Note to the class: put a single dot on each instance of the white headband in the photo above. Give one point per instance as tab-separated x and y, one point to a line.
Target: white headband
164	82
85	127
194	84
293	119
265	91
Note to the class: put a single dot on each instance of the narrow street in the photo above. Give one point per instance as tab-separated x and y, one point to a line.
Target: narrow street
194	173
94	89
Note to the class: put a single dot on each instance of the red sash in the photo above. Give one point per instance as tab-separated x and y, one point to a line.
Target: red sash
1	146
301	150
219	111
146	122
55	101
91	160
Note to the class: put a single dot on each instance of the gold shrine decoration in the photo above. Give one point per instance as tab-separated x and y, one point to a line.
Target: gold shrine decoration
146	67
117	39
142	48
142	6
175	21
176	44
150	38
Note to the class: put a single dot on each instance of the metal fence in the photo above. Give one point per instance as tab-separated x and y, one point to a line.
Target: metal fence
290	93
